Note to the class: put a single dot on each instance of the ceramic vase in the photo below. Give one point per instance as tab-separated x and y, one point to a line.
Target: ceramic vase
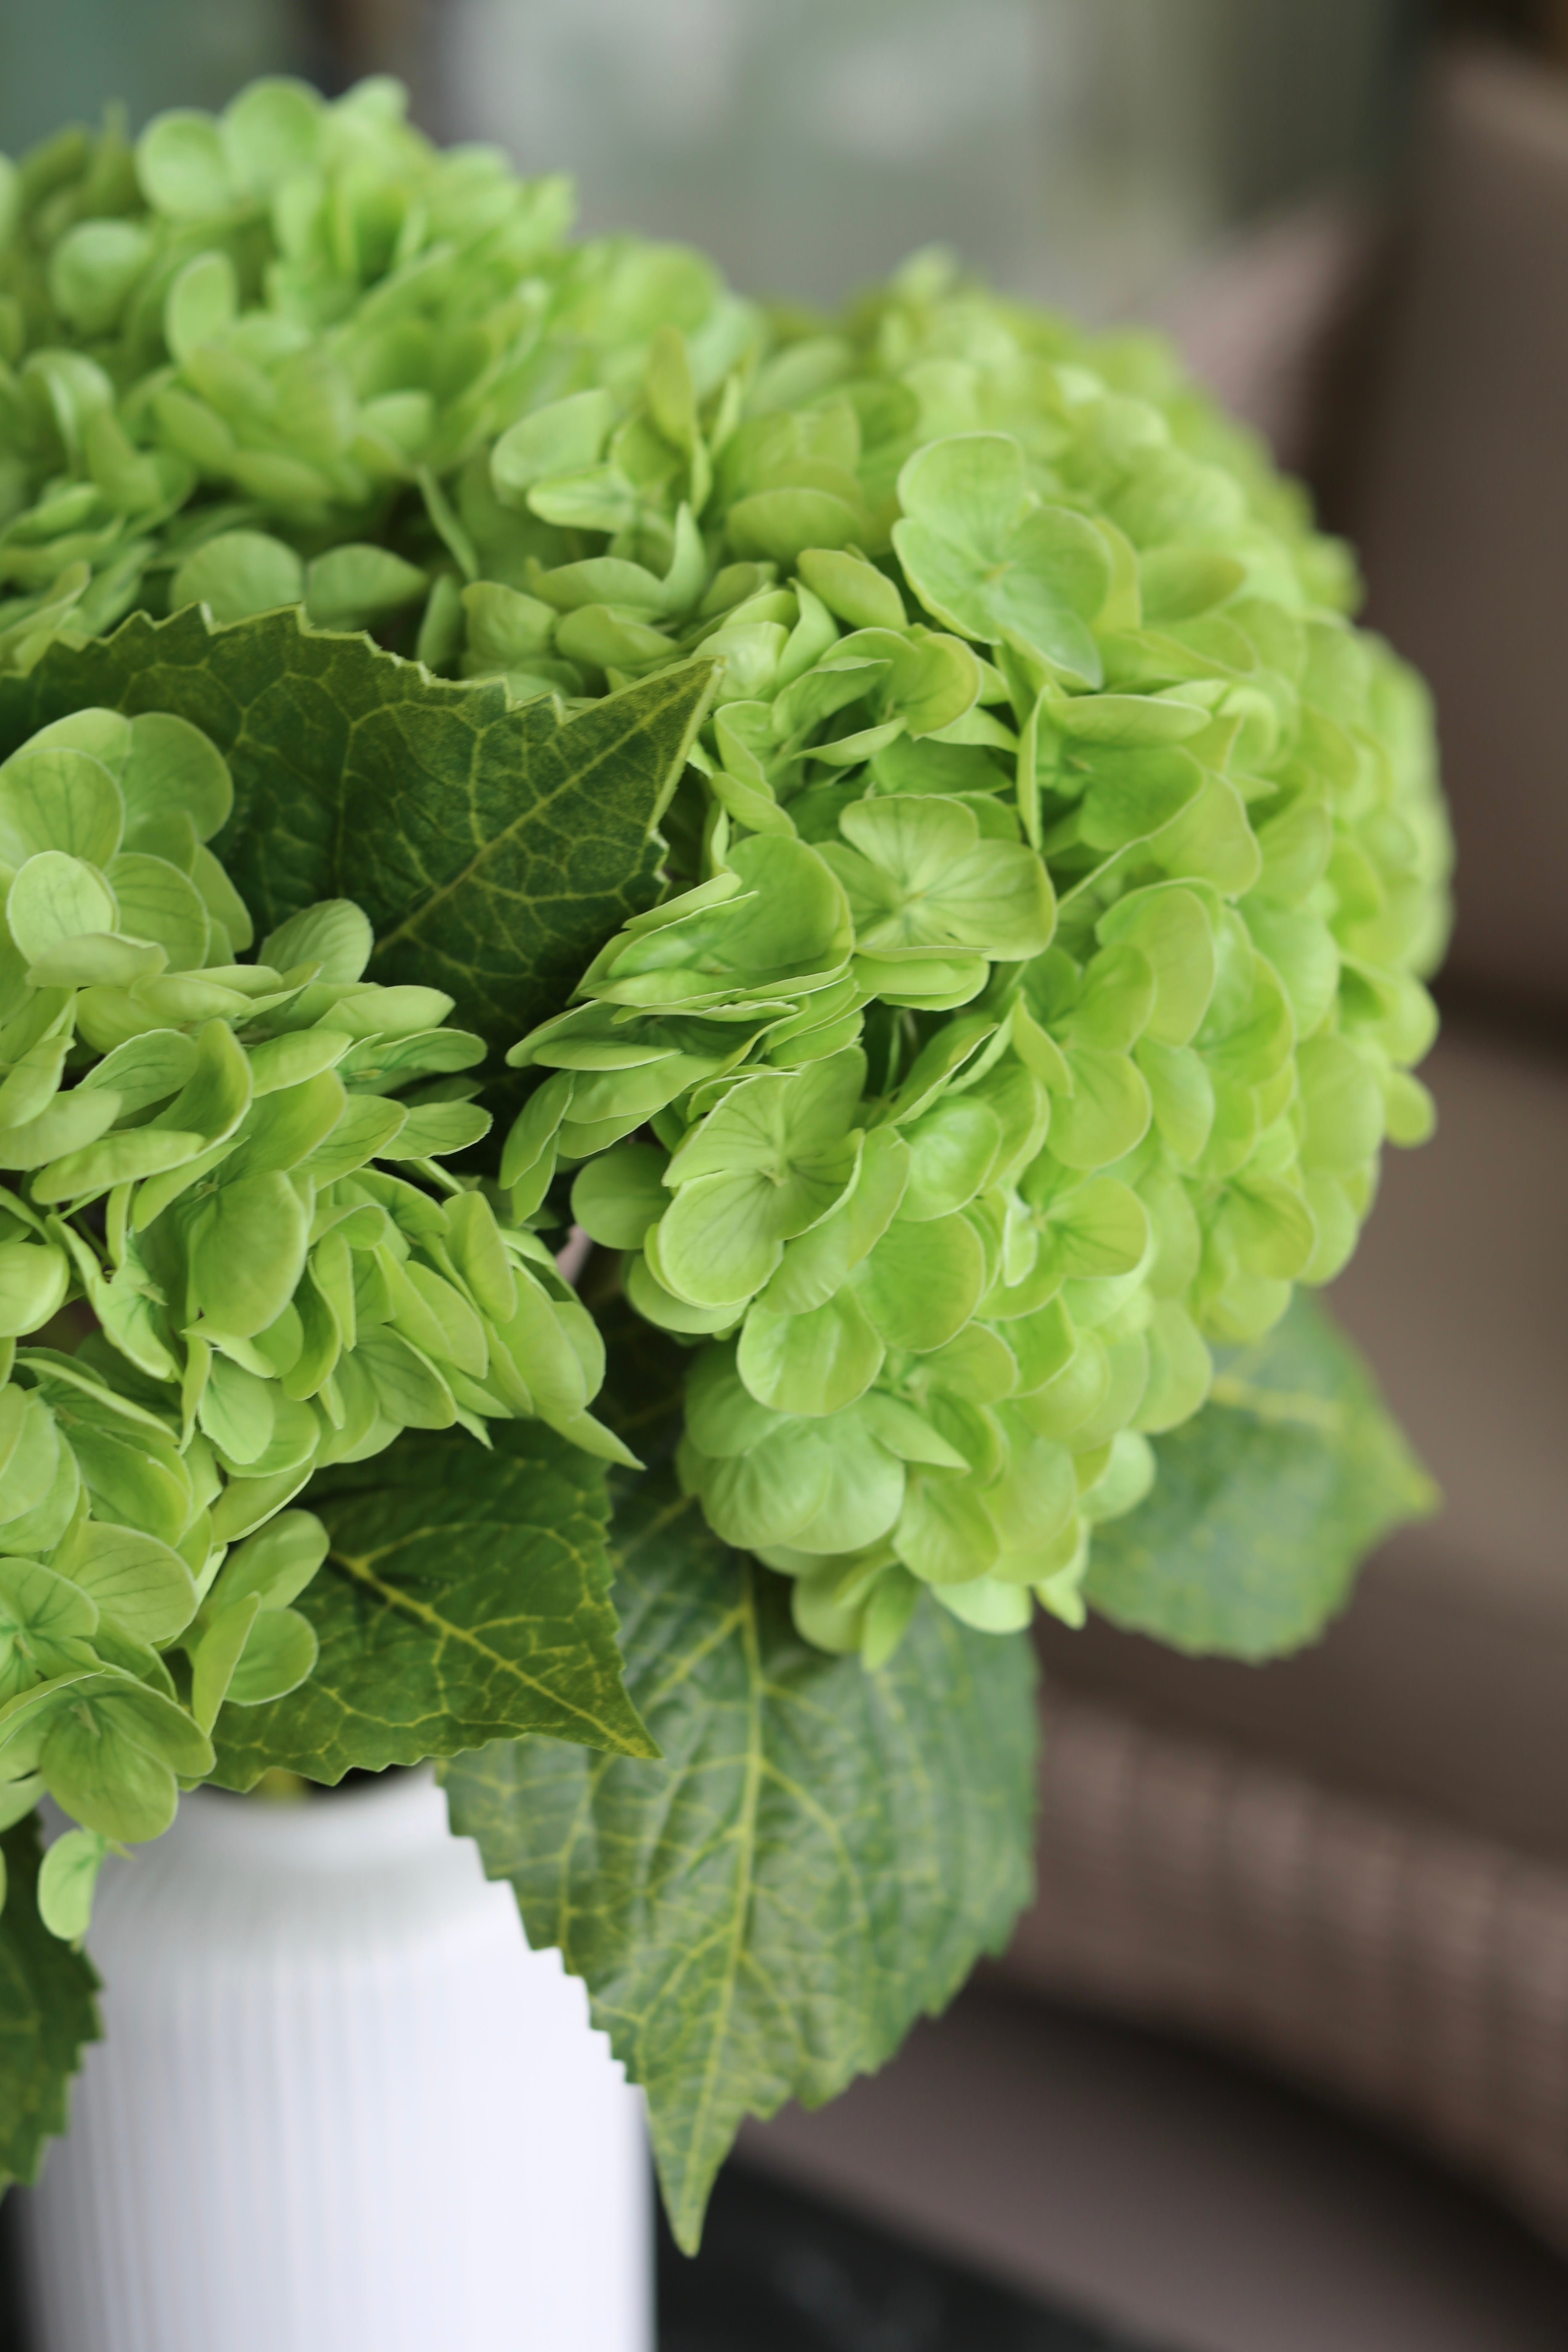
340	2107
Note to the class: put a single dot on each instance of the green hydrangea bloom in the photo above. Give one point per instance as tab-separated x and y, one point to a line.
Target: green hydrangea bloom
1070	865
235	1165
1054	880
262	359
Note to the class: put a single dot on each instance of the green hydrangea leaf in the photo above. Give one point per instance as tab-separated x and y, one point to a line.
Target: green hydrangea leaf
157	902
1107	1113
953	1148
34	1279
944	1534
465	1599
814	1363
270	131
1265	1504
820	1857
280	1653
619	1195
349	587
238	573
93	268
143	1585
985	560
853	589
57	898
1171	928
818	1486
201	305
1100	1228
778	524
772	1161
494	848
248	1250
66	1882
559	439
180	165
814	1266
922	1282
47	2013
59	797
920	876
108	1746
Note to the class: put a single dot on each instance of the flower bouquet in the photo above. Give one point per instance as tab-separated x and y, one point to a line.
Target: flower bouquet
886	828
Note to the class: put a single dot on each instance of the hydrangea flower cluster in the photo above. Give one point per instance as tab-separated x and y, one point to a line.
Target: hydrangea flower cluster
261	360
1055	875
235	1165
1069	864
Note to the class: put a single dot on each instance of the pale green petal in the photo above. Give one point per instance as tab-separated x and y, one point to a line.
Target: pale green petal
921	1282
814	1363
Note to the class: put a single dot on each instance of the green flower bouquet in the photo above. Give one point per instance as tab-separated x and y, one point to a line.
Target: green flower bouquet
887	827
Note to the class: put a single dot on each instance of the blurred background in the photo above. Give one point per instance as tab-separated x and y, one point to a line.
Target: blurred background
1279	2061
1083	150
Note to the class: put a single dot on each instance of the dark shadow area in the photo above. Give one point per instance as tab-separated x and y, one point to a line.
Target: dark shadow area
12	2339
780	2272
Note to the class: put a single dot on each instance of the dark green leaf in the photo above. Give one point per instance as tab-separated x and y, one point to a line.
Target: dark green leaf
820	1857
495	848
47	2014
1265	1504
466	1599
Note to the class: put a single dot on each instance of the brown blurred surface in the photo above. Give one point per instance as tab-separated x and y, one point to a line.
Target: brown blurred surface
1538	24
1454	487
1199	2209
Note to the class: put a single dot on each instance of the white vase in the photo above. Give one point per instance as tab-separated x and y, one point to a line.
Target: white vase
339	2107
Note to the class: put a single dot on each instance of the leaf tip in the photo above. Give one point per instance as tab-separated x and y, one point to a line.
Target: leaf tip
637	1741
685	2209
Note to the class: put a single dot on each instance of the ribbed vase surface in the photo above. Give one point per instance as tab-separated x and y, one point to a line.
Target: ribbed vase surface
339	2107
